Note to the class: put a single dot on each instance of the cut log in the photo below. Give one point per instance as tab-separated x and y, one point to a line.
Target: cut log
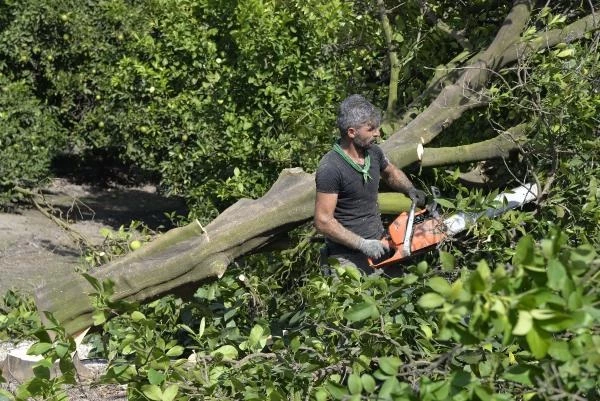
186	255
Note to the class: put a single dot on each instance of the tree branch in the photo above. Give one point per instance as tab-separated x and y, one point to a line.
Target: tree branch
394	61
459	36
570	33
47	210
455	99
498	147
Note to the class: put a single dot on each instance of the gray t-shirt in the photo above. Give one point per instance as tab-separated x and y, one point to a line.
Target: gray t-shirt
356	207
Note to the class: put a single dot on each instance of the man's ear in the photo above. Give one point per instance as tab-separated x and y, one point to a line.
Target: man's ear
351	132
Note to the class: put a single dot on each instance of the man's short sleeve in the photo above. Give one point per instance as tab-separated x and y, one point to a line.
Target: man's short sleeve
327	177
383	160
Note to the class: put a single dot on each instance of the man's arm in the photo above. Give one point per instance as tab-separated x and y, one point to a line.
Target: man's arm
396	179
327	225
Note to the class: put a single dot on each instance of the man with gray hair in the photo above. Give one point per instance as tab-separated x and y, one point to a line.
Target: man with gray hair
347	180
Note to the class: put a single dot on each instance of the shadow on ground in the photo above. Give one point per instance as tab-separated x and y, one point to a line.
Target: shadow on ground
119	206
111	192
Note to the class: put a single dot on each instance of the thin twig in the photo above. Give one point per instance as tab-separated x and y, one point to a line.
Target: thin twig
76	236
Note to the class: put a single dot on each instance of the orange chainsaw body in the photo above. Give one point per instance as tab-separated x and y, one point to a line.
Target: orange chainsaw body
428	231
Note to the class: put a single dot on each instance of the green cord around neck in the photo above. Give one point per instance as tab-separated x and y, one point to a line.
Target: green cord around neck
364	170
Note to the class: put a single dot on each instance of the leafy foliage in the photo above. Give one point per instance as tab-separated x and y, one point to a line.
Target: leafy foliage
30	136
510	331
18	316
56	356
170	85
117	243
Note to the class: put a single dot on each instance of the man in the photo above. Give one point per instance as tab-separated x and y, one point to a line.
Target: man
347	180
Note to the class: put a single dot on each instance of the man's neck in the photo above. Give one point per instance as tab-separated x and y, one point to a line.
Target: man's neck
356	153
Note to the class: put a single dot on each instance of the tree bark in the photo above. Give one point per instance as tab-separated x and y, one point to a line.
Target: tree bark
497	147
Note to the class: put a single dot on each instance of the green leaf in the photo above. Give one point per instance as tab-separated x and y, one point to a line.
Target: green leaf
216	372
61	349
354	384
538	342
410	279
542	314
483	270
353	273
175	351
361	311
560	351
389	364
39	348
524	324
388	388
152	391
229	352
255	335
524	251
321	395
336	390
93	281
368	383
447	260
41	371
524	374
582	256
23	392
136	316
484	393
5	395
471	358
422	267
202	327
98	317
439	285
557	274
427	331
170	392
430	300
445	203
397	37
456	289
565	53
155	377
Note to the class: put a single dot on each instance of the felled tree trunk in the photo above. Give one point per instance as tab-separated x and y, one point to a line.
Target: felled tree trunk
188	254
194	253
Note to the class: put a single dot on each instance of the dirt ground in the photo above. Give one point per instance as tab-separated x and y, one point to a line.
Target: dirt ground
33	248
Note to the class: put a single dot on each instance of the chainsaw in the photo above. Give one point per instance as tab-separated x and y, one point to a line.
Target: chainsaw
412	233
415	232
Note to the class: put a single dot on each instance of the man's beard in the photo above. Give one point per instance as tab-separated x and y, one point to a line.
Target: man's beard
363	144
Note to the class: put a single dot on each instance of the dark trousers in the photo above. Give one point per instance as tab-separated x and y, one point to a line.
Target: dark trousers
355	259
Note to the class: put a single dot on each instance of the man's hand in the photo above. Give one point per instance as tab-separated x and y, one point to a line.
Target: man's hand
373	248
417	196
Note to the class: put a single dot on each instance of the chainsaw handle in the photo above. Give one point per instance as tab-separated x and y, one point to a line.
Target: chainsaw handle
389	245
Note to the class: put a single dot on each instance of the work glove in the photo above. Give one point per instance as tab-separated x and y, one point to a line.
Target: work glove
417	196
373	248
